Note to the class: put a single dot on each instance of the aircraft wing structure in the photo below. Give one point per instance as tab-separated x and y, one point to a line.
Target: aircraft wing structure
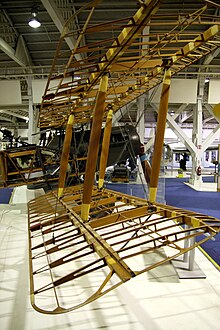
134	58
86	241
73	262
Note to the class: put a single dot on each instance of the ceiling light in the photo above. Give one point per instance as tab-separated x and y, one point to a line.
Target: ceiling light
34	22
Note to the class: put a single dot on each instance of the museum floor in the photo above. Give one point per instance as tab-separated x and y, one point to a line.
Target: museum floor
155	300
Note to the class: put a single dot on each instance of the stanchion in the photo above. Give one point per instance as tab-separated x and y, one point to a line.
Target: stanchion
187	267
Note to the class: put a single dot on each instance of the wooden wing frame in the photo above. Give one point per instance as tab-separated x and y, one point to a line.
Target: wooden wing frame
134	60
73	262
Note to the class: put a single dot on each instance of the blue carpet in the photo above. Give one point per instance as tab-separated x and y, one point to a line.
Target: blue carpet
179	194
138	190
5	195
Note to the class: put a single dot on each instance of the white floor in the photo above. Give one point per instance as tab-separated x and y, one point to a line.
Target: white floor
157	300
199	186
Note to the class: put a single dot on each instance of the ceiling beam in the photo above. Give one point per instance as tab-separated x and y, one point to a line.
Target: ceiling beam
9	51
14	114
22	52
20	55
7	119
185	116
207	119
59	21
119	114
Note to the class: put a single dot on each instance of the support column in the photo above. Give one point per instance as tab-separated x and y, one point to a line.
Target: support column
159	139
65	155
93	147
141	99
30	111
145	167
36	128
105	149
140	117
197	135
15	132
186	267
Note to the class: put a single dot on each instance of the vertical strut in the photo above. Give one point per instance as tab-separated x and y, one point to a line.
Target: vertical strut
105	149
65	155
159	139
93	147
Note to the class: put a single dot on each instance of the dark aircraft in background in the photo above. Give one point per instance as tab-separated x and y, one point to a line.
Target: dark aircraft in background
38	165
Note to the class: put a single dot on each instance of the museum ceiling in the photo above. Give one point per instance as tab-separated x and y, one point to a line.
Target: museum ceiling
170	26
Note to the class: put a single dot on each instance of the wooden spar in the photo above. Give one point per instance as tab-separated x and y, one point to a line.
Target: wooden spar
65	155
93	147
105	149
159	139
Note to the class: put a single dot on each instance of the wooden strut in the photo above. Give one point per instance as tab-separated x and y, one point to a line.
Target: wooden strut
105	149
159	139
65	155
93	147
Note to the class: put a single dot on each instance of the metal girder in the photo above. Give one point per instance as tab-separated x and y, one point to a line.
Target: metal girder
8	50
22	53
178	111
119	115
207	119
149	143
7	119
59	21
180	133
186	116
210	138
213	3
14	114
140	117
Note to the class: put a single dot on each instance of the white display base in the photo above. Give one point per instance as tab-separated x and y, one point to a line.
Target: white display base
183	270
